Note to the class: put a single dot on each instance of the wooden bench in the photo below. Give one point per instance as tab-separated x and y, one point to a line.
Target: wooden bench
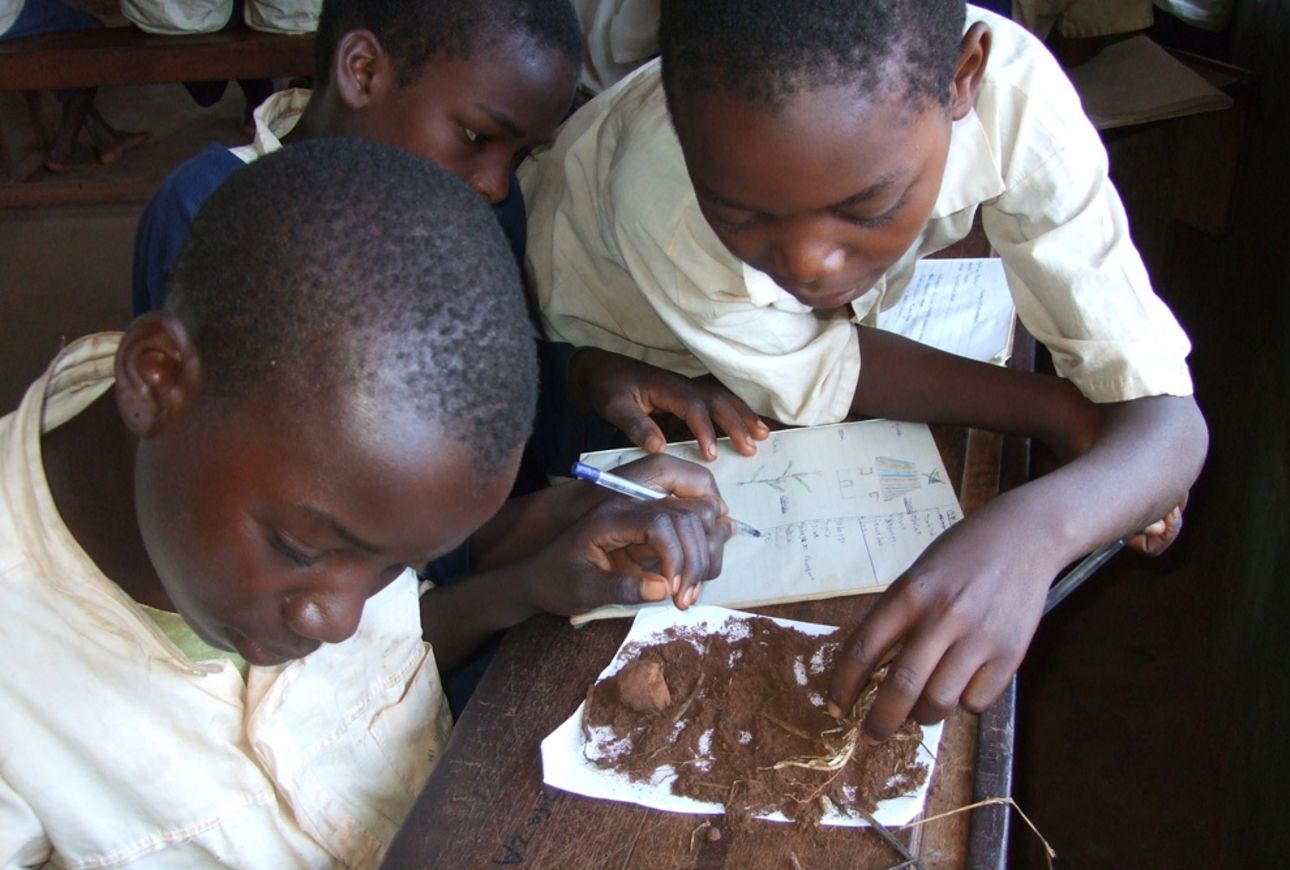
128	56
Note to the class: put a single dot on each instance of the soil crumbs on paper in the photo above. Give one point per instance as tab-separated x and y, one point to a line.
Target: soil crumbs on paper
740	718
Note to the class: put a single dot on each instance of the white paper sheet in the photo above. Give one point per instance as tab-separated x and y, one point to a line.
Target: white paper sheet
963	307
844	508
565	767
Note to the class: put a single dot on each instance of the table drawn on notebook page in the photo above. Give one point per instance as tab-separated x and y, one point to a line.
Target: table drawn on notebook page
845	508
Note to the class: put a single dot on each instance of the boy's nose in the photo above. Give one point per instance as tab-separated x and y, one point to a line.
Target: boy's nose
808	260
492	184
330	619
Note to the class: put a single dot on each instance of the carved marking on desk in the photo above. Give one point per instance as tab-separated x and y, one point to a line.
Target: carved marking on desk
514	850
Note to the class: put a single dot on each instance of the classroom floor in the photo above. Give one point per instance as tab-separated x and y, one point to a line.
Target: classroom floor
1149	700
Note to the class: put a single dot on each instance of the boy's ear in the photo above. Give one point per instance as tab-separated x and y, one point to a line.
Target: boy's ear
969	69
158	374
362	70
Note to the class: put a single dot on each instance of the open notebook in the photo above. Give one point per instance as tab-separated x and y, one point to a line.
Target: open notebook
844	509
960	306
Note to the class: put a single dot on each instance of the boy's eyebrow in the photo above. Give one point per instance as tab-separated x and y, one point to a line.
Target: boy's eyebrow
502	119
878	187
342	532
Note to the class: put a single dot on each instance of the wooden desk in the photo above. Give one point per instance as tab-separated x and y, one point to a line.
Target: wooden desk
128	56
486	805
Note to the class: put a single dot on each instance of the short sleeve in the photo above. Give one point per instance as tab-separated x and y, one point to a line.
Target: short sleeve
1079	283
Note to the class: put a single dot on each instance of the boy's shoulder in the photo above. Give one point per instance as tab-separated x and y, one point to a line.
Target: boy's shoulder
166	218
194	180
1026	113
1020	67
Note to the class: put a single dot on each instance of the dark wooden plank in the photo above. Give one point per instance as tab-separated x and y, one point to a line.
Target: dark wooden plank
45	193
988	833
127	56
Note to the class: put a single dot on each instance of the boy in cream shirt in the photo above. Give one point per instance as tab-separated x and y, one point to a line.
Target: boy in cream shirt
264	470
748	208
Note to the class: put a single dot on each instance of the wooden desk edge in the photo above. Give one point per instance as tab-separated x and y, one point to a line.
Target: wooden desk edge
83	59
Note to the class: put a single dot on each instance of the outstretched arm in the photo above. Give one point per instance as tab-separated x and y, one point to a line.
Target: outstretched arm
570	548
963	615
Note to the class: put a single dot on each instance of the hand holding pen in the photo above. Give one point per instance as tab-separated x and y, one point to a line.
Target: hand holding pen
640	492
692	517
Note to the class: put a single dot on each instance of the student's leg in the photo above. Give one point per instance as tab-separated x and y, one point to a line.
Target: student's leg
78	112
110	143
64	155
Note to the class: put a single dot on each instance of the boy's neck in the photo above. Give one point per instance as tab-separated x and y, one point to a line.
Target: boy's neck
89	463
318	119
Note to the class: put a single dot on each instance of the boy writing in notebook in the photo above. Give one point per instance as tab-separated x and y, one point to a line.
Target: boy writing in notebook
747	209
208	528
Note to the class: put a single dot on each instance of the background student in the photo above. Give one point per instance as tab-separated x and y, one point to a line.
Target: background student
748	208
208	526
471	86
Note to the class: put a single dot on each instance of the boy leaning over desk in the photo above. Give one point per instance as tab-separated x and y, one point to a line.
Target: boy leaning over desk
740	213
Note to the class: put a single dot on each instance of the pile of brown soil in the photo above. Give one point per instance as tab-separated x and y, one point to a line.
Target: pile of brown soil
740	718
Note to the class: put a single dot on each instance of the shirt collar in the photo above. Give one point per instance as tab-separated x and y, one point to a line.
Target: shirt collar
971	169
763	292
274	119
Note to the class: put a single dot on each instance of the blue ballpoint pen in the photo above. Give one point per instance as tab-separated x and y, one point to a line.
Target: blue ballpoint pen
632	489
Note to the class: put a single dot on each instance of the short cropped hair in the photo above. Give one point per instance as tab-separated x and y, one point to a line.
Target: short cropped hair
346	267
414	32
763	51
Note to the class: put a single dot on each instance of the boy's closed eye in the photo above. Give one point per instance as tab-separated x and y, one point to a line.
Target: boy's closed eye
305	556
873	221
294	549
737	220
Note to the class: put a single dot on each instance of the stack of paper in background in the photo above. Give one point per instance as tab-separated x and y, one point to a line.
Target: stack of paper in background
1136	81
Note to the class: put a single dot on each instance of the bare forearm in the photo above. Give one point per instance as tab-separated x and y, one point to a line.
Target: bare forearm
1141	465
458	618
525	525
1127	464
903	380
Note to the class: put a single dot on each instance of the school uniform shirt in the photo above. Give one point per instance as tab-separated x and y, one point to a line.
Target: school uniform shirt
282	16
117	750
168	216
621	257
617	37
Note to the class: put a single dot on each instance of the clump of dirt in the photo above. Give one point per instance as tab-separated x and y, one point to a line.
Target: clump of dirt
740	718
641	687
